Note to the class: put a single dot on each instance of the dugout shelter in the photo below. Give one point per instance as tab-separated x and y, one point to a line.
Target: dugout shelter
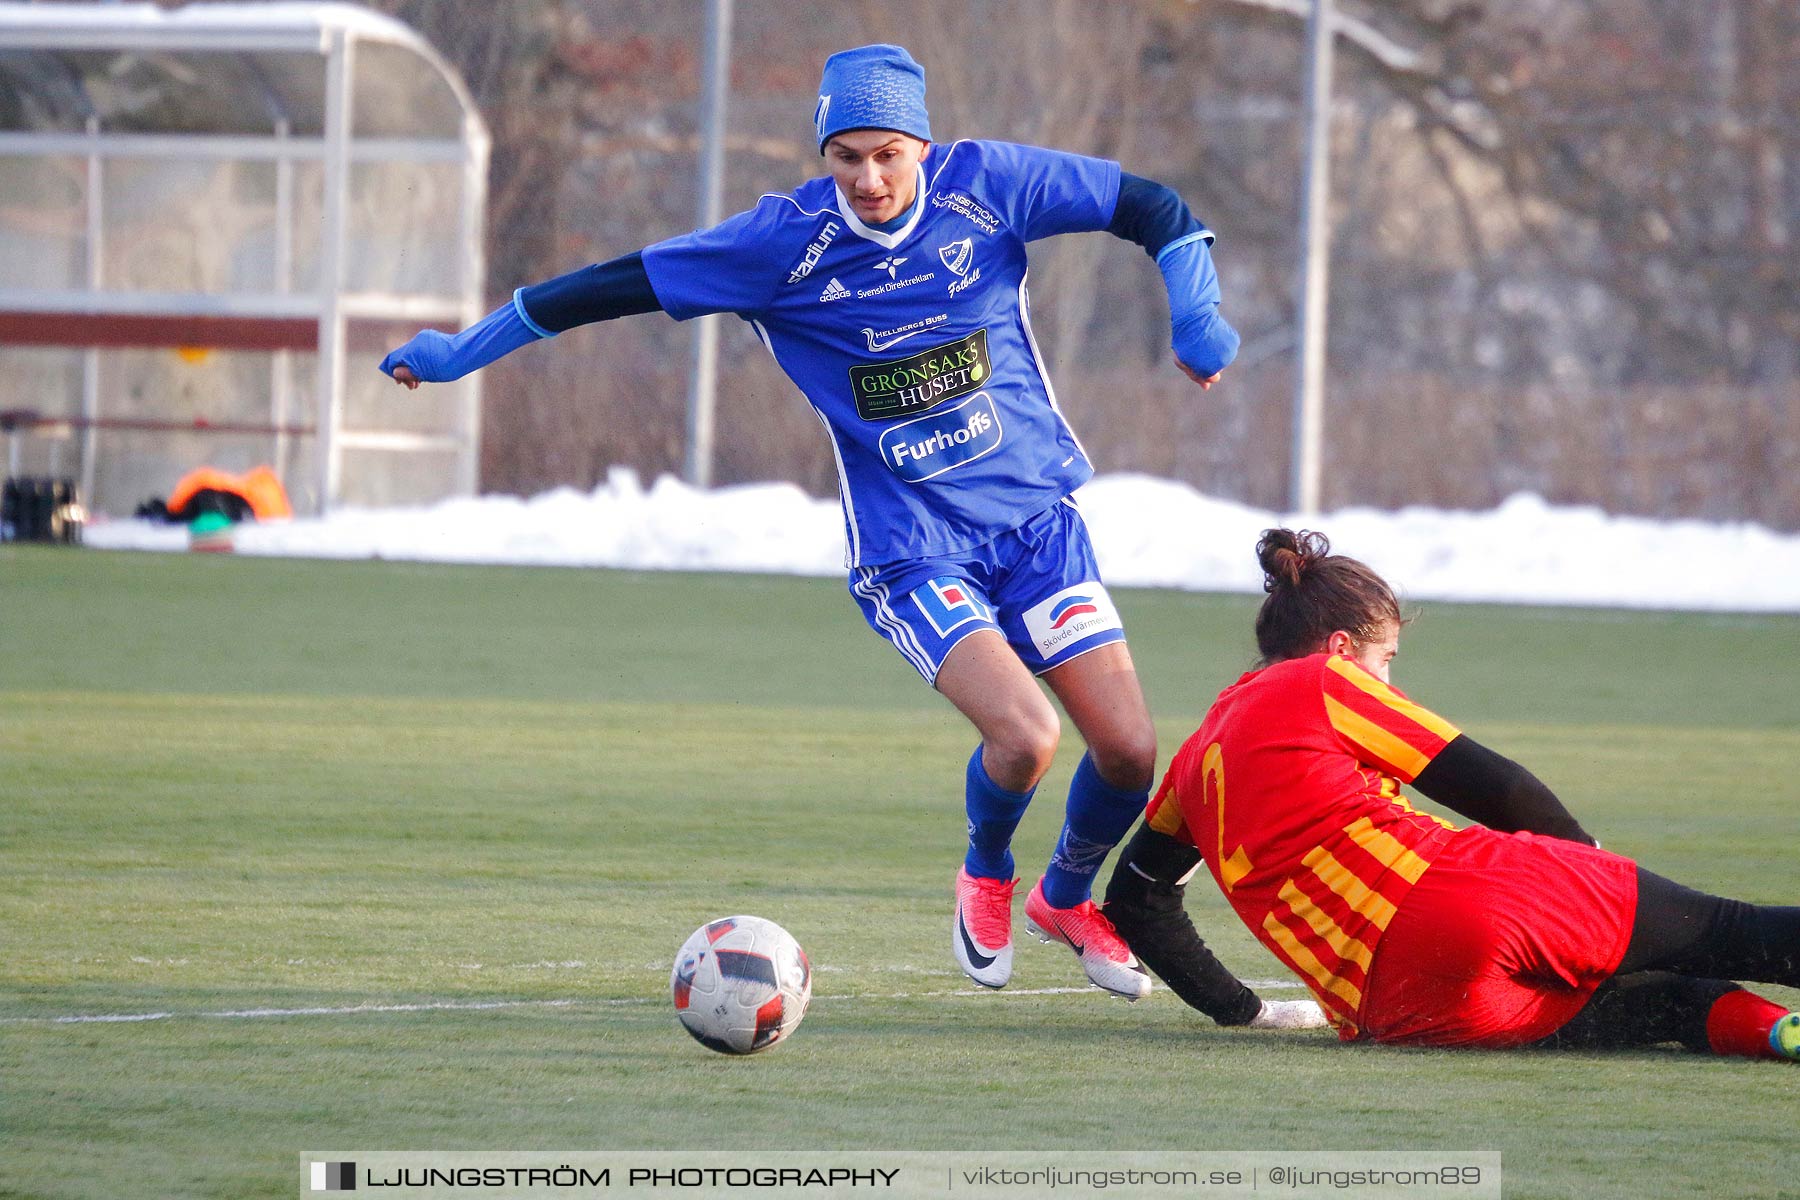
214	219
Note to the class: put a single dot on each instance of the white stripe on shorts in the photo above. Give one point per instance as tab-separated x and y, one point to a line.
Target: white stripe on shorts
898	631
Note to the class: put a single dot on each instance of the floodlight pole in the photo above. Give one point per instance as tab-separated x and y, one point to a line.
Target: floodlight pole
328	444
702	387
1315	241
90	358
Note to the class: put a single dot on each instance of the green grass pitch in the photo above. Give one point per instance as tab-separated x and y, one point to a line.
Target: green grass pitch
230	785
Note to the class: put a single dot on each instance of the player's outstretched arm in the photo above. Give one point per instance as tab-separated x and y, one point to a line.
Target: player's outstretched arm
600	292
436	357
1490	788
1144	901
1156	218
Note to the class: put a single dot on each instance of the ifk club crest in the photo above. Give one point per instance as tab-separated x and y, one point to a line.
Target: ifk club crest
957	256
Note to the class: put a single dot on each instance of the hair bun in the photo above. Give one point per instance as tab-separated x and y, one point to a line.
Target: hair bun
1286	556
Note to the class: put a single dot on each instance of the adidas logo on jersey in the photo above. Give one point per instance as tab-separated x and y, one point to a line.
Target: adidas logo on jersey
834	291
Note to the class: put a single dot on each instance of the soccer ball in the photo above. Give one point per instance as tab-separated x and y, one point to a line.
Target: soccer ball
741	984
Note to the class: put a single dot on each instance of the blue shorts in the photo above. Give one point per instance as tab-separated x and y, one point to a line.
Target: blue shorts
1037	585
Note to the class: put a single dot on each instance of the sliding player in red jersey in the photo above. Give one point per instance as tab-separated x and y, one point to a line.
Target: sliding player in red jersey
1516	931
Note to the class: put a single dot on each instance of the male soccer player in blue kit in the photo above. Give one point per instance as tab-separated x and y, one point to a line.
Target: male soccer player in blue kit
893	294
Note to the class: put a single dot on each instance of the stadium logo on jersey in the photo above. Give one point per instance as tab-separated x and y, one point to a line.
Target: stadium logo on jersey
893	337
967	207
1070	616
902	387
949	602
815	249
925	447
834	291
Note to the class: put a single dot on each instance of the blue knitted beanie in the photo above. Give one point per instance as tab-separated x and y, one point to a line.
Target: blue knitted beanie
872	87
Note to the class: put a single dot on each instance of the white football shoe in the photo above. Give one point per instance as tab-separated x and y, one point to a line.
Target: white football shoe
981	937
1105	957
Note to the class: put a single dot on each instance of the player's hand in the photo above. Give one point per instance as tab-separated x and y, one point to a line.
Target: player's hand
1204	344
1289	1014
424	359
1205	381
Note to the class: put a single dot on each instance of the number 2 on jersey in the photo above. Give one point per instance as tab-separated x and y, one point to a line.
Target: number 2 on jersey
1212	792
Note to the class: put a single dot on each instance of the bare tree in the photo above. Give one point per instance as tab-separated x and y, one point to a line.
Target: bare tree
1563	257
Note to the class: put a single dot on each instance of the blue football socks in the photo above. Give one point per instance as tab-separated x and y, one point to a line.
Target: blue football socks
1099	814
994	813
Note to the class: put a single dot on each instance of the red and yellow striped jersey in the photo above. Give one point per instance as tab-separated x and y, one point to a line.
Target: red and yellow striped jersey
1291	792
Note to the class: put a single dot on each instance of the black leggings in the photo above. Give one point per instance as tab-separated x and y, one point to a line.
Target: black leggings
1685	948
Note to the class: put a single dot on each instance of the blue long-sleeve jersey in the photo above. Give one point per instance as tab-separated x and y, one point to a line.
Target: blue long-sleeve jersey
913	347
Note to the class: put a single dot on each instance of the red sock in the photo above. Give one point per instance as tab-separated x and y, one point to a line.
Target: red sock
1739	1023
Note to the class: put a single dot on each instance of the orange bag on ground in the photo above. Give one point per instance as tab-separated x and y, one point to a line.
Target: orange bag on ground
258	487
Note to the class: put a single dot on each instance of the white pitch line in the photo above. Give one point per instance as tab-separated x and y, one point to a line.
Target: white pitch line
243	1013
489	1005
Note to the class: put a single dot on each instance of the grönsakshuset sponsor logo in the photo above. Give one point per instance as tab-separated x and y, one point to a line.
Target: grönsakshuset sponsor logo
901	387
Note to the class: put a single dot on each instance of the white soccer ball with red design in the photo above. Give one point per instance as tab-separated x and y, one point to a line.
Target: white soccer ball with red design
741	984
